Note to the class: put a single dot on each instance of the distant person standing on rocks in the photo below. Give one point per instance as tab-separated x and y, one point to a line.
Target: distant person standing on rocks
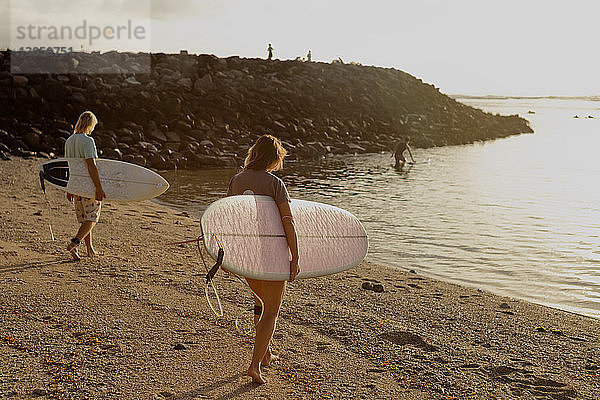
270	52
309	56
265	156
401	147
81	145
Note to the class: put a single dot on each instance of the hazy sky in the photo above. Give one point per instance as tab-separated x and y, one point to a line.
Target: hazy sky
511	47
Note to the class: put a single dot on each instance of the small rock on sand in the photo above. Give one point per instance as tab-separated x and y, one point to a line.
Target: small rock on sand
39	392
378	288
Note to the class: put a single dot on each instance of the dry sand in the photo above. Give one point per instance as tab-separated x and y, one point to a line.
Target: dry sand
107	328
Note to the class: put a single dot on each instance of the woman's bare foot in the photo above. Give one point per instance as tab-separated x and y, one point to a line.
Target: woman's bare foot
91	252
254	373
269	358
72	248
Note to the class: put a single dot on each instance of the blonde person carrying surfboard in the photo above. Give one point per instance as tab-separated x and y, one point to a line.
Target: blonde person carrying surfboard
265	156
81	145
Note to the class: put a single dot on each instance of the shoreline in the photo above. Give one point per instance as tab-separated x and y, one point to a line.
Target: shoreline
194	201
423	273
108	327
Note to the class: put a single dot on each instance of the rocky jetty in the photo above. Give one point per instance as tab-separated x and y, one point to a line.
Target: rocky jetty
192	111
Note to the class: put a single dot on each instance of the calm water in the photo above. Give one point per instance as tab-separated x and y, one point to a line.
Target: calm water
517	216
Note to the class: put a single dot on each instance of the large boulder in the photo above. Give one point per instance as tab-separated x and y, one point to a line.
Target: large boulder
157	135
172	137
33	138
20	80
204	84
186	83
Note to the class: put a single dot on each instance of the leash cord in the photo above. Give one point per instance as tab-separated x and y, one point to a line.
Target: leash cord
220	313
246	332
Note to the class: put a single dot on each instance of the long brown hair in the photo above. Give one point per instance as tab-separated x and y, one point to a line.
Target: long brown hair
266	154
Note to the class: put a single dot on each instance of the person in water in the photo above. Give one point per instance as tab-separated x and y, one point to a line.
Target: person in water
401	147
265	156
81	145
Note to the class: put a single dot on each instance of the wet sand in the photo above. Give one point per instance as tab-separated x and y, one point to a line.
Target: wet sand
133	323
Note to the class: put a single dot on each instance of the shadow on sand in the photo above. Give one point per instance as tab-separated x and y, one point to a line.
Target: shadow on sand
244	388
33	264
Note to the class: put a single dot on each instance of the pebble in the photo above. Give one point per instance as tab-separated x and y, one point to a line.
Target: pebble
180	346
370	386
378	288
39	392
367	285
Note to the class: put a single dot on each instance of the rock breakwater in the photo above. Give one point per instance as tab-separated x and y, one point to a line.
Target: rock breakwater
193	111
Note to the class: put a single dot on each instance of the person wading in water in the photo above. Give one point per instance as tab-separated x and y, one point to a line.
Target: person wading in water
399	150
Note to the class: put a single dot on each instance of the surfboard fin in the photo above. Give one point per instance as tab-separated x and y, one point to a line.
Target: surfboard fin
213	271
42	182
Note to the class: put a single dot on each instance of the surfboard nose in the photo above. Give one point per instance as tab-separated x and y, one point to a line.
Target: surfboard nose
162	185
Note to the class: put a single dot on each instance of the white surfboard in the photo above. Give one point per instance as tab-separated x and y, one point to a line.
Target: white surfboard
250	231
120	180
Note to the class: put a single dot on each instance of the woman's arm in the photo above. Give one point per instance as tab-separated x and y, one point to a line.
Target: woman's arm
290	234
410	152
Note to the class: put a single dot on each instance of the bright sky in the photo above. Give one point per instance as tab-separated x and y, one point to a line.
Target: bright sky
507	47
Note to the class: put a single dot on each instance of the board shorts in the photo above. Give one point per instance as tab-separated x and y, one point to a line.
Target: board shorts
399	157
87	209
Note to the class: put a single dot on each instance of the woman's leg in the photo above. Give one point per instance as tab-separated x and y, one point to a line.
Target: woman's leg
72	248
271	293
269	357
88	244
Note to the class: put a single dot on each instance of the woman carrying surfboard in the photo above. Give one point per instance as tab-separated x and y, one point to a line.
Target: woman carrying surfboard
81	145
265	156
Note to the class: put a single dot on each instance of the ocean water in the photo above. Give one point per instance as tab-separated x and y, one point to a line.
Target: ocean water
518	216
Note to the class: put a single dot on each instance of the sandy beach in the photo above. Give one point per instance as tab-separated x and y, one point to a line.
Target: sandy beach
134	323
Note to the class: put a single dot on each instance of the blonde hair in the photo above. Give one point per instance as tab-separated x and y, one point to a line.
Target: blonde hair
86	123
266	154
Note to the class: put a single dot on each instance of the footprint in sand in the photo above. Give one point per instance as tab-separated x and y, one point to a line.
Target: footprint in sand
522	379
404	338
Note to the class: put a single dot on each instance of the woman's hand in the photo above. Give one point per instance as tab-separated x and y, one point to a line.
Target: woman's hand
290	234
294	269
100	194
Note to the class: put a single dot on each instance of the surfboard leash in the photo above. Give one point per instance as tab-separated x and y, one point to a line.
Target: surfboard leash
43	185
209	278
210	274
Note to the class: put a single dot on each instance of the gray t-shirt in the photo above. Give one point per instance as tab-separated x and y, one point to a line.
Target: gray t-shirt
250	181
80	145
